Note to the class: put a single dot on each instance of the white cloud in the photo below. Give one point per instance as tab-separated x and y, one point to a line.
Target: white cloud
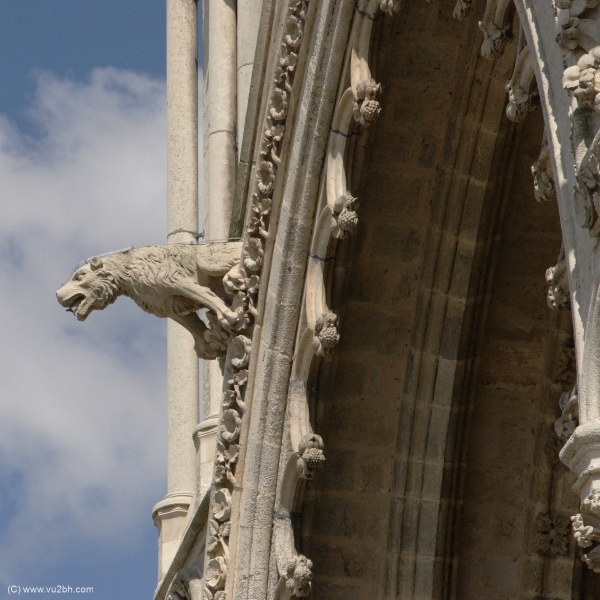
82	405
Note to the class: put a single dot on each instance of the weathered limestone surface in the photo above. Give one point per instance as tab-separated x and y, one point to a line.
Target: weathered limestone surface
417	198
513	477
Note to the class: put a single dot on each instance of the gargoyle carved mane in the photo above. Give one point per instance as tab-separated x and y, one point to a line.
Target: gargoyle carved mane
172	281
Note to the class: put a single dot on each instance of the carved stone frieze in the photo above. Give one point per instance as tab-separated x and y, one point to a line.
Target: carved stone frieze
551	534
496	25
543	177
227	452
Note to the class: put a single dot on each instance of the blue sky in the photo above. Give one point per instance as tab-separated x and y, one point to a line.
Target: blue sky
82	405
71	37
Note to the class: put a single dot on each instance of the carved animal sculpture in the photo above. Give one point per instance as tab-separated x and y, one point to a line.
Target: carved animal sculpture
172	281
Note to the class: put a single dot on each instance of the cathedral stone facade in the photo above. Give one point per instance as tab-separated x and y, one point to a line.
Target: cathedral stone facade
395	301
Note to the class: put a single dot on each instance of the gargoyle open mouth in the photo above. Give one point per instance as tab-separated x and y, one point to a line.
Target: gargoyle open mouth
74	306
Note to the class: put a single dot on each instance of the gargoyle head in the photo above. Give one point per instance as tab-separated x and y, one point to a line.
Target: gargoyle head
90	288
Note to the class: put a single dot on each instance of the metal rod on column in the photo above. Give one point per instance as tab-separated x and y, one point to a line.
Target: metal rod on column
182	207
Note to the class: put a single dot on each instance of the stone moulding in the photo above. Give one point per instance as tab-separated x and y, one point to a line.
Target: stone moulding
294	570
336	217
243	281
336	212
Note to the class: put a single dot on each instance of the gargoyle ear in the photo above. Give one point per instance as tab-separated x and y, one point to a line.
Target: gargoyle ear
96	263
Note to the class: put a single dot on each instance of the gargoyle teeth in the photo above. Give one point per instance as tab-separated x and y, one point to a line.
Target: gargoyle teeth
74	307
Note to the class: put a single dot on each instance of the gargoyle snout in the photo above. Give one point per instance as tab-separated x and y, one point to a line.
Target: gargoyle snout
64	295
70	297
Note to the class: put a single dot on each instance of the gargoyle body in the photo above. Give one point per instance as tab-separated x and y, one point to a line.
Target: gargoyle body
172	281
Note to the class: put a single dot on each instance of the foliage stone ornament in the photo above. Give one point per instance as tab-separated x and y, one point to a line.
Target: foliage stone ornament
230	425
266	177
585	535
390	6
346	220
222	504
216	573
586	528
366	108
583	79
575	7
462	9
495	40
568	38
520	103
299	573
312	458
326	336
552	534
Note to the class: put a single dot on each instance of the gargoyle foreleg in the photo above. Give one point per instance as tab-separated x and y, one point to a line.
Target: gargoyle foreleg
197	327
209	300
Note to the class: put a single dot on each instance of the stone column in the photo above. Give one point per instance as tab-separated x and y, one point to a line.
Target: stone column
220	113
248	20
182	200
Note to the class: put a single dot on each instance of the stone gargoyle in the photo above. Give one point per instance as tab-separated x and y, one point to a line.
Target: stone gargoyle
172	281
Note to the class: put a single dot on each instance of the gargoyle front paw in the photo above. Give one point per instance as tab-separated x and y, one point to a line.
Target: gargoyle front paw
232	320
205	352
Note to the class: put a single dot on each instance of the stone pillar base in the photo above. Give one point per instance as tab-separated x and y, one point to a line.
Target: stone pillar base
169	516
205	440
